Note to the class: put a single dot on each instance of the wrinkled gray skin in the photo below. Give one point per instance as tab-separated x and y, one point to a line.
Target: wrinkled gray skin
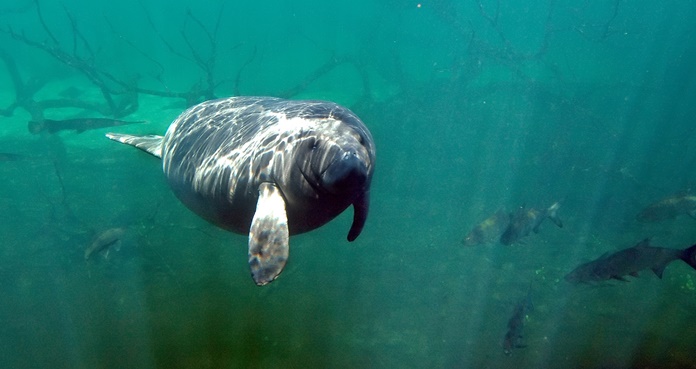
319	154
229	159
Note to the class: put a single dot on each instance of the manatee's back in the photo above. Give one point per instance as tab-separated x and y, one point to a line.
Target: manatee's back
207	158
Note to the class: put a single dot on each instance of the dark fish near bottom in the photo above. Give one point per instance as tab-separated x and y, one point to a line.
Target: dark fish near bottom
104	241
630	261
513	337
488	230
78	125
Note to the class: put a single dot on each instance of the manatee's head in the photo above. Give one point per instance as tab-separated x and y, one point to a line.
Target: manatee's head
338	159
338	162
335	159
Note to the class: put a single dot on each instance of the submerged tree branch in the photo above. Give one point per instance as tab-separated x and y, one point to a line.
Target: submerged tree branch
120	95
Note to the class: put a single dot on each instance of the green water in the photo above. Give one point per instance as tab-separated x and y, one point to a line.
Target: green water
474	106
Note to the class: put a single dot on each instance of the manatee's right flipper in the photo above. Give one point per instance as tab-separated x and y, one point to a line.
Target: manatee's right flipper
361	206
268	236
151	144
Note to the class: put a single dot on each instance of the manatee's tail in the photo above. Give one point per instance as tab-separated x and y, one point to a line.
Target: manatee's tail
151	143
689	256
551	213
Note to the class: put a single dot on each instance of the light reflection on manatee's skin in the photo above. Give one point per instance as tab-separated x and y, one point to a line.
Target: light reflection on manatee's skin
268	167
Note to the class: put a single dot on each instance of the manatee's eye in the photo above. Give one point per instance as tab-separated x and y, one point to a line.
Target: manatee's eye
310	143
315	144
360	138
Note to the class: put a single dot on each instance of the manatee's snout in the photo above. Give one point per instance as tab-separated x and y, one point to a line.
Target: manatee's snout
346	174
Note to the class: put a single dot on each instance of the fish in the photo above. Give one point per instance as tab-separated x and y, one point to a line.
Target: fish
513	337
524	221
78	125
629	262
105	241
488	230
668	208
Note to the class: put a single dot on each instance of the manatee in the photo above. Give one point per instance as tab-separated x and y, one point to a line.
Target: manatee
267	167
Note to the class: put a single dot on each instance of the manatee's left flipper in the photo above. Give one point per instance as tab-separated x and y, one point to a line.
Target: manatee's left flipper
360	210
268	236
151	144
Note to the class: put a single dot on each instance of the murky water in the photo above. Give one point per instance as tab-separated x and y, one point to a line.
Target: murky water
474	106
